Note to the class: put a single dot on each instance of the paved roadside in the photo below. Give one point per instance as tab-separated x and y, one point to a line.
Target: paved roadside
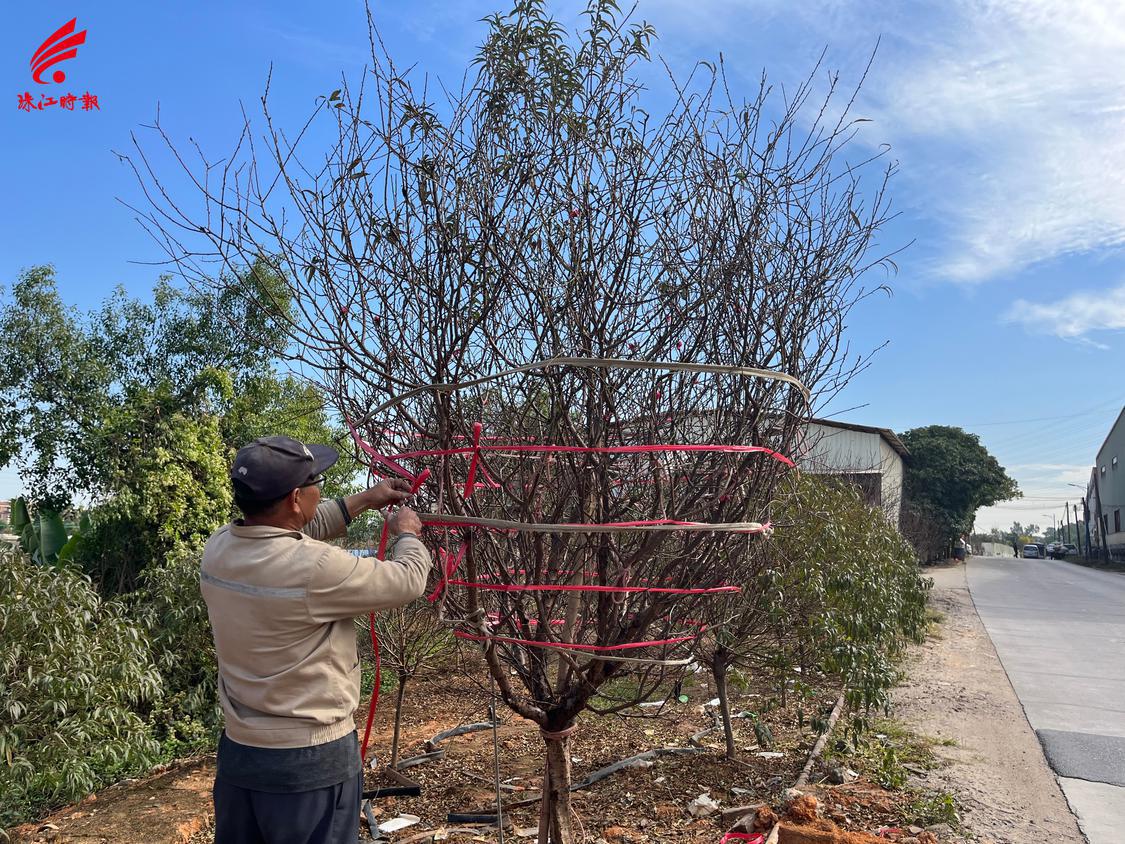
958	690
1060	631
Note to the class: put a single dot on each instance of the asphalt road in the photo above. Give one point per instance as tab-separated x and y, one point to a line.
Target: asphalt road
1059	630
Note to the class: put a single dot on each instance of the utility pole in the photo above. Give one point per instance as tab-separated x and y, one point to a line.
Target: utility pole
1086	516
1077	529
1101	519
1066	509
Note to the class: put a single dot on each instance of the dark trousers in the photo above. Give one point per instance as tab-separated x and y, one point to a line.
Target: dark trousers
323	816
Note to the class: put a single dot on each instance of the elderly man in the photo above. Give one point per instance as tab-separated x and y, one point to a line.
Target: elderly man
281	602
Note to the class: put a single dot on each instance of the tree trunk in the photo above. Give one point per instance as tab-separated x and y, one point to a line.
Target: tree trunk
554	808
719	667
398	719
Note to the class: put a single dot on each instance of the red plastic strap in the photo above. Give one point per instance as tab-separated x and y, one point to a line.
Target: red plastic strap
494	619
376	456
383	538
573	647
578	587
375	647
582	449
374	692
512	574
752	837
451	564
418	481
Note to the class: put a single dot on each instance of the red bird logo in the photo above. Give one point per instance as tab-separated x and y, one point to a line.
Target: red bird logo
62	45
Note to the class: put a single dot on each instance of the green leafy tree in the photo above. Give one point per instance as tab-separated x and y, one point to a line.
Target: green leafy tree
54	386
949	476
283	404
170	609
65	372
169	479
138	406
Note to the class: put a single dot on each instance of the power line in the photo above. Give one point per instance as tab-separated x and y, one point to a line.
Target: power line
1054	430
1034	437
1095	409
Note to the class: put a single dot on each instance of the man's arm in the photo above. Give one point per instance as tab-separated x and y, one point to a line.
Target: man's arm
345	586
331	520
333	516
383	494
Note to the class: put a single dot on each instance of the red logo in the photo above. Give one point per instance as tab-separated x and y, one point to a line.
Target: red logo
62	45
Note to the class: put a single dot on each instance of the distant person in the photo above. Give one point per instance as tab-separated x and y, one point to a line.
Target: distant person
959	549
1015	550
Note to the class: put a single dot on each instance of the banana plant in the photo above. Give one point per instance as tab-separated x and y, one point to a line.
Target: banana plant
20	519
43	536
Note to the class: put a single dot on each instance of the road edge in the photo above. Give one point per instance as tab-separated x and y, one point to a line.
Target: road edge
995	766
1015	694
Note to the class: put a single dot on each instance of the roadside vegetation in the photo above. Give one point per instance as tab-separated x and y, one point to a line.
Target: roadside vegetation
122	422
888	754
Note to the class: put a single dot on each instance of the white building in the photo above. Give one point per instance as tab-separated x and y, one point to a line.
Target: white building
871	458
1105	494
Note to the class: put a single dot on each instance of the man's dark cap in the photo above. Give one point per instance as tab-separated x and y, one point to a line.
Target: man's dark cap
271	467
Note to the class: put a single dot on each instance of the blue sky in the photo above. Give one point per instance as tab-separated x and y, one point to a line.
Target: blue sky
1007	118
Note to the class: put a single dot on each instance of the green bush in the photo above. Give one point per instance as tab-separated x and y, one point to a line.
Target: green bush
170	608
850	595
73	671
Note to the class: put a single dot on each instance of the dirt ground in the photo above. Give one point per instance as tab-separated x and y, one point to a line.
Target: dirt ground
646	803
958	690
168	807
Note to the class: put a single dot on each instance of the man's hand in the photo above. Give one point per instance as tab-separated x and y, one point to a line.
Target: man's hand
404	520
390	491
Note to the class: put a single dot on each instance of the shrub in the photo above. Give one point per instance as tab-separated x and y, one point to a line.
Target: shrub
850	593
73	670
170	608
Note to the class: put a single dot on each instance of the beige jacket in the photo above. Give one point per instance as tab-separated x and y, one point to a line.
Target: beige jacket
281	605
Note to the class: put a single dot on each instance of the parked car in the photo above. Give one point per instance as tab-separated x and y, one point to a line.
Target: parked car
1069	548
1031	552
1055	551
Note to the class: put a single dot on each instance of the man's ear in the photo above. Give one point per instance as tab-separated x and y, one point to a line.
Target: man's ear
292	502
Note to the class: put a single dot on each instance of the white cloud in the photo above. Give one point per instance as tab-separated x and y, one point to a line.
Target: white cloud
1073	317
1028	97
1008	115
1037	476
